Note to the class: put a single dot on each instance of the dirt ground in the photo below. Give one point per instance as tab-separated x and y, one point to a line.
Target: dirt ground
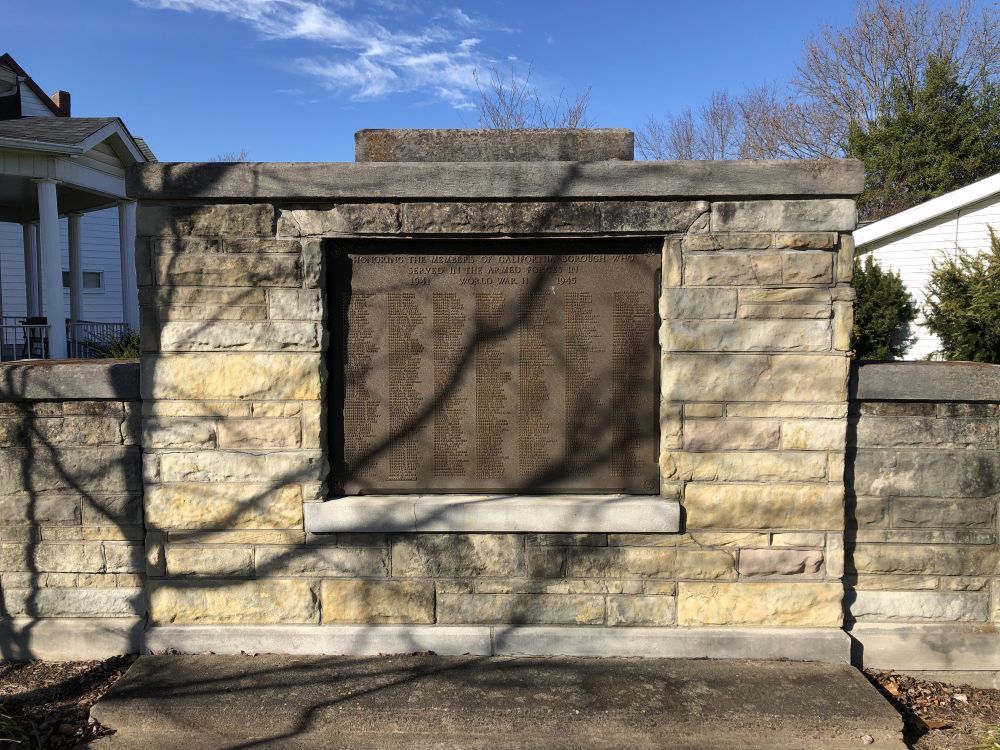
939	716
47	704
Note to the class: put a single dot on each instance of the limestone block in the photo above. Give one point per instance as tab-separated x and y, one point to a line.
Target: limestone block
575	609
234	375
783	466
744	240
939	512
814	434
919	606
835	556
25	507
73	602
787	410
196	505
124	558
927	473
673	265
695	539
239	335
52	558
896	409
650	216
102	469
797	539
501	217
294	304
764	506
313	424
221	220
279	467
377	602
807	296
729	434
631	562
954	583
70	430
346	218
313	264
225	602
925	536
269	245
747	335
700	242
805	240
642	610
566	540
732	269
321	561
763	604
542	586
166	297
241	536
280	432
703	410
910	432
780	562
787	311
843	324
178	432
211	312
824	215
117	509
924	559
699	303
112	533
754	377
270	270
845	259
437	555
967	410
806	268
209	560
156	554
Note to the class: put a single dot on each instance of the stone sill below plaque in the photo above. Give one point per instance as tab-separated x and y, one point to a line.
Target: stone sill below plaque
619	514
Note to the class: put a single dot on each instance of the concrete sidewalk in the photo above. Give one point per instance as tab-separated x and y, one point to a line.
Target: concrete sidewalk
418	702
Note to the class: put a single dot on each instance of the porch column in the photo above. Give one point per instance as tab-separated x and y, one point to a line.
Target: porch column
126	238
52	287
31	285
75	275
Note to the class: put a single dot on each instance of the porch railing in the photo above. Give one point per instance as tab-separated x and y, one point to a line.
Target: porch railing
28	338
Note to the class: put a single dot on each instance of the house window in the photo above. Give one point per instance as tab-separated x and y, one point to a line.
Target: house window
92	280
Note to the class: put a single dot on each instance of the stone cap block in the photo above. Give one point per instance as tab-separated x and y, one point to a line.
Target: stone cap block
925	381
255	182
76	379
549	144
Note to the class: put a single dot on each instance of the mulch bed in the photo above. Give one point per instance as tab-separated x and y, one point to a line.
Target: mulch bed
47	704
940	716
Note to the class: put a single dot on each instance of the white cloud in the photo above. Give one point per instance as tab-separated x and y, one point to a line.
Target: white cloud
366	59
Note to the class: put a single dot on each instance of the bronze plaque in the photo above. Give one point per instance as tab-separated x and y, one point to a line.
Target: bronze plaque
464	368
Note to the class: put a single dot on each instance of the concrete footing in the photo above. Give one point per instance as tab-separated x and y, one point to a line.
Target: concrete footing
70	638
923	648
799	644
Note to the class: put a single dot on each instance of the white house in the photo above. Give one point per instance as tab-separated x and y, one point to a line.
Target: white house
66	226
909	241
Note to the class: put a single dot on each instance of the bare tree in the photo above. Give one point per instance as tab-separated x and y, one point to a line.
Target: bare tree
232	156
508	101
845	75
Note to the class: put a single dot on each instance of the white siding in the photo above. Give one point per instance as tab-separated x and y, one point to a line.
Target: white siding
31	105
910	254
100	252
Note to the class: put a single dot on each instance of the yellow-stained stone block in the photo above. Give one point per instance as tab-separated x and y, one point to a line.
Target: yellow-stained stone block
754	377
197	505
779	466
809	605
195	409
209	560
377	602
784	411
244	375
259	433
641	610
764	506
730	434
843	322
814	435
226	602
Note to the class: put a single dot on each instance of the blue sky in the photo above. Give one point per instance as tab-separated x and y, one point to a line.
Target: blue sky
292	80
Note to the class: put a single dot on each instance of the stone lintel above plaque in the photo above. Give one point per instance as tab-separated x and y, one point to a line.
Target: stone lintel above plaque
621	514
452	145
